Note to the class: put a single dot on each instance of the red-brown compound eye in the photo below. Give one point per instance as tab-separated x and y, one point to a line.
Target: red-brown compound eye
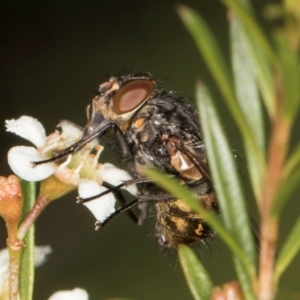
132	95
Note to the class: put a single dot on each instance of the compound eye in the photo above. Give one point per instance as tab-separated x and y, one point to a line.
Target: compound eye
132	95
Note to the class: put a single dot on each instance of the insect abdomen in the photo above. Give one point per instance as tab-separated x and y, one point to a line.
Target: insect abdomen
177	224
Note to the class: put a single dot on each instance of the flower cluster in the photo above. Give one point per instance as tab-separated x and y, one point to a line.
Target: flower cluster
80	170
58	177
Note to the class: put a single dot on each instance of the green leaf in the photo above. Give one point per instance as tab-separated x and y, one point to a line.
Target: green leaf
196	276
261	53
290	248
227	184
209	48
27	258
248	100
214	58
288	186
289	63
245	83
290	181
181	192
293	162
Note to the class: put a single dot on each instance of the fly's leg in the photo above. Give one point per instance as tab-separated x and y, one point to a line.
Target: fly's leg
113	189
126	207
129	205
141	201
120	197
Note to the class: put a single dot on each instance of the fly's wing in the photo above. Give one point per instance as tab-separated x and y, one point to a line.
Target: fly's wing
187	156
195	153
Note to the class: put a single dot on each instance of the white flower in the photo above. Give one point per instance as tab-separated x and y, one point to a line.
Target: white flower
75	170
101	207
115	176
76	294
40	256
20	158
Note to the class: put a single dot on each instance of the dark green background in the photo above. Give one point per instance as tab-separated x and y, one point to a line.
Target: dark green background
53	55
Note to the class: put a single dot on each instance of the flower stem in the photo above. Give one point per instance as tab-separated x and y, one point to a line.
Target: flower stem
14	267
36	210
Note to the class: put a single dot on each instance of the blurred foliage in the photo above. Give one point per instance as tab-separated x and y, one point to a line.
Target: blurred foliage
267	73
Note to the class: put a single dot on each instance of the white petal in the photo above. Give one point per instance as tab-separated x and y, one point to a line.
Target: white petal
72	133
101	207
76	294
3	266
28	128
20	159
41	254
70	129
115	176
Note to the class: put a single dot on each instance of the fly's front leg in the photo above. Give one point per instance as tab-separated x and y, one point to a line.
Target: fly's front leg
129	205
141	201
120	198
113	189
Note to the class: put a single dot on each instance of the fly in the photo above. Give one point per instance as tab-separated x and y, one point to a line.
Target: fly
159	129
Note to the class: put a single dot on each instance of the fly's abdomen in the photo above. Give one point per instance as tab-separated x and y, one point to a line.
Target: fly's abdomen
177	224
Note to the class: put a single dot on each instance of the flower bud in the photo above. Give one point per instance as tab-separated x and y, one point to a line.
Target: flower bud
230	290
11	203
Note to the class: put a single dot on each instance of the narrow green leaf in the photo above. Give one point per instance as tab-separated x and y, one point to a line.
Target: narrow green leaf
181	192
261	53
209	48
244	12
246	5
290	182
213	56
245	83
227	184
27	258
196	276
248	100
293	162
288	186
289	63
290	248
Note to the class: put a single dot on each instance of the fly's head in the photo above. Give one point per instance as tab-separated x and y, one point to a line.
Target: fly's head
120	97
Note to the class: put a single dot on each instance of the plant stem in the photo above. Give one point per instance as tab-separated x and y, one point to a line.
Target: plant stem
269	225
15	250
38	207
